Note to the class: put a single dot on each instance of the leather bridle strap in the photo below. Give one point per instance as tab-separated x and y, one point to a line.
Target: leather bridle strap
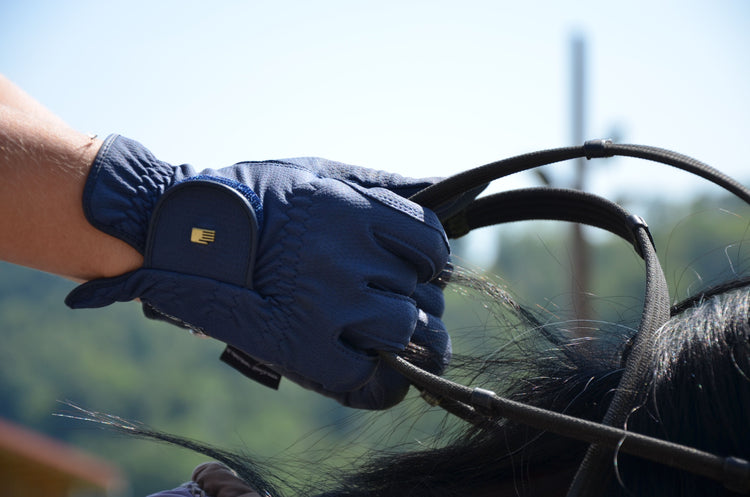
443	192
567	205
733	472
585	208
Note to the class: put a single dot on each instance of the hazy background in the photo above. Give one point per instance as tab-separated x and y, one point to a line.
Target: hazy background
417	87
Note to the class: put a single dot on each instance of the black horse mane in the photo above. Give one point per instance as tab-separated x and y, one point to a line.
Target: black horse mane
699	395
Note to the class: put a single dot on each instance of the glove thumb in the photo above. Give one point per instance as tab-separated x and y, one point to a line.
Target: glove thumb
102	292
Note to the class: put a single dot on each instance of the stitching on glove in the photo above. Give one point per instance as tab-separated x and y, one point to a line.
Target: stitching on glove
280	163
291	239
284	292
391	200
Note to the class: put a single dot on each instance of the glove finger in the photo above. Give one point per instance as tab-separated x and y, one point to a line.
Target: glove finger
367	220
429	297
442	279
431	336
388	387
383	321
422	243
387	271
385	388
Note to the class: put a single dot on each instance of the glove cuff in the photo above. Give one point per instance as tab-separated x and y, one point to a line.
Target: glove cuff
123	186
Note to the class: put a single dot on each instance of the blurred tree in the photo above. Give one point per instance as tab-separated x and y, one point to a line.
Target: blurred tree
115	361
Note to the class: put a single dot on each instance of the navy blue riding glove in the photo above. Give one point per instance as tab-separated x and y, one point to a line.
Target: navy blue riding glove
306	265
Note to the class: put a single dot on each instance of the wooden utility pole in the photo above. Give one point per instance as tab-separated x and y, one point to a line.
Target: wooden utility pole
580	256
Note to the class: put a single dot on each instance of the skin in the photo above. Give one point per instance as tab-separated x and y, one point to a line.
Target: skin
44	164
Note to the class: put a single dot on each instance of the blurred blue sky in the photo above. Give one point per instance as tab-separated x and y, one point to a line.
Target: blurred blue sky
416	87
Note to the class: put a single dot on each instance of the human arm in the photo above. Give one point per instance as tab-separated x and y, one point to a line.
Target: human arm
220	481
43	166
310	274
325	281
212	479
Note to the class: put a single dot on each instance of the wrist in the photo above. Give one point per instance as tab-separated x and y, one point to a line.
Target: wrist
122	188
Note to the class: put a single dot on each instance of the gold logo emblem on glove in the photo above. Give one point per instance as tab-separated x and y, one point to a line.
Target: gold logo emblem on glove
202	236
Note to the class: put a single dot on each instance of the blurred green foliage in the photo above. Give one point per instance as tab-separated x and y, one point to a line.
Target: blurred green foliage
115	361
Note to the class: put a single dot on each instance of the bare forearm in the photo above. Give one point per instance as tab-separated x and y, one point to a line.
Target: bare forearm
43	168
14	97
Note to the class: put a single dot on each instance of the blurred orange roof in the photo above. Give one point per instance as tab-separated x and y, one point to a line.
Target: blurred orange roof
33	462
